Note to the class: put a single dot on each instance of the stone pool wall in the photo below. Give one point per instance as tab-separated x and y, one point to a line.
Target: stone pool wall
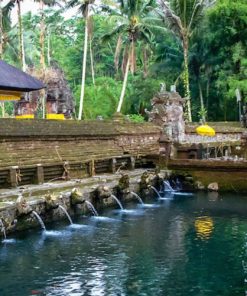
16	205
229	175
36	151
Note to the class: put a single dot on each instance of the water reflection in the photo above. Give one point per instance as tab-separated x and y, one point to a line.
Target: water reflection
204	227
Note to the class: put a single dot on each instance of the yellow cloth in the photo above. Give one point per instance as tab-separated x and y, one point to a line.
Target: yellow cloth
205	130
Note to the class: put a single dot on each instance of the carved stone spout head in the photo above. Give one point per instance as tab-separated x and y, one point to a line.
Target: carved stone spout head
23	208
76	197
103	192
51	202
146	179
124	183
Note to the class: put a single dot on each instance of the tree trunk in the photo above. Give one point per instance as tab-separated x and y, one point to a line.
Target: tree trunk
124	83
92	62
3	109
21	40
42	36
201	100
84	66
117	53
132	58
186	79
145	62
1	31
48	47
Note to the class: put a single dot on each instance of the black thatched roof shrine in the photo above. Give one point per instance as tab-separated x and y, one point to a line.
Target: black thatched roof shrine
13	79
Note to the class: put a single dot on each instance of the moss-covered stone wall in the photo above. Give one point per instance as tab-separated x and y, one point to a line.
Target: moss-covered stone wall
36	151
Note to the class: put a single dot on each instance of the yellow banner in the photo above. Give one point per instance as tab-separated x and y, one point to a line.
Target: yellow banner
26	116
55	116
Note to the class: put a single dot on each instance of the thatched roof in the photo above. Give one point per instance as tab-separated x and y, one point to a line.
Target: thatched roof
14	79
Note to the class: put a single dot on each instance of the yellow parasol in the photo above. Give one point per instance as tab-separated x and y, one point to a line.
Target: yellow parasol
9	95
205	130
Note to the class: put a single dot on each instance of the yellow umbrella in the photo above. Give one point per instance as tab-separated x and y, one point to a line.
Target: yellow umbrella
205	130
9	95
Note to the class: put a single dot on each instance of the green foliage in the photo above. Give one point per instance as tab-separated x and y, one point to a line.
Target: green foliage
217	55
101	99
136	118
227	35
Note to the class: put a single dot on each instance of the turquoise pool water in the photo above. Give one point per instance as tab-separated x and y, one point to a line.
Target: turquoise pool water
188	245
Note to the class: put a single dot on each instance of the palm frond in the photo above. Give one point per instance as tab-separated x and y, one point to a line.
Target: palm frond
108	36
148	6
196	14
6	12
173	21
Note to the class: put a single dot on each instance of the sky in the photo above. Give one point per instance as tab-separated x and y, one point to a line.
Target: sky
30	5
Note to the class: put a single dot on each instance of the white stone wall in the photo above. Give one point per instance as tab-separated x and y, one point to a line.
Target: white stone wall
219	137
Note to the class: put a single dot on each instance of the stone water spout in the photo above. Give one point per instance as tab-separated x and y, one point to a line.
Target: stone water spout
124	184
51	202
146	183
103	192
22	206
157	179
76	197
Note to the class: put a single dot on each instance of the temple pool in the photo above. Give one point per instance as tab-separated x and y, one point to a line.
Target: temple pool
188	245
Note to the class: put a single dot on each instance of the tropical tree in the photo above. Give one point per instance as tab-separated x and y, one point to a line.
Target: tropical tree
133	22
10	5
1	30
42	4
84	8
182	17
5	25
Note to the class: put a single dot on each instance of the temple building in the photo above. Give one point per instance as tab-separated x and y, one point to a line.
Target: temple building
49	97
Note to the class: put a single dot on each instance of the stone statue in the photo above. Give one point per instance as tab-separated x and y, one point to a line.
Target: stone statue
167	112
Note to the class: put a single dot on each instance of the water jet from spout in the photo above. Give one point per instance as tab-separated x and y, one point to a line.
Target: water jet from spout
156	191
66	213
91	208
117	201
168	187
2	228
138	197
37	216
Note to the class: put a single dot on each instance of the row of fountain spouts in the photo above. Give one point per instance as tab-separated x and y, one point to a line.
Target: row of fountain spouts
167	188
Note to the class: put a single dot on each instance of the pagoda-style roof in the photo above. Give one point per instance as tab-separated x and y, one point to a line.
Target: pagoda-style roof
13	79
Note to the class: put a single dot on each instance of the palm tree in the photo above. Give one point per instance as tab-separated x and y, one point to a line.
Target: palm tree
1	30
42	4
9	6
182	18
84	8
132	23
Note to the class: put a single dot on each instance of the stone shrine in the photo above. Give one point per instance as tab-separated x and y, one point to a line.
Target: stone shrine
167	112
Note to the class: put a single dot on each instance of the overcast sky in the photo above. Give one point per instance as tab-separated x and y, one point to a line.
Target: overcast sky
30	5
